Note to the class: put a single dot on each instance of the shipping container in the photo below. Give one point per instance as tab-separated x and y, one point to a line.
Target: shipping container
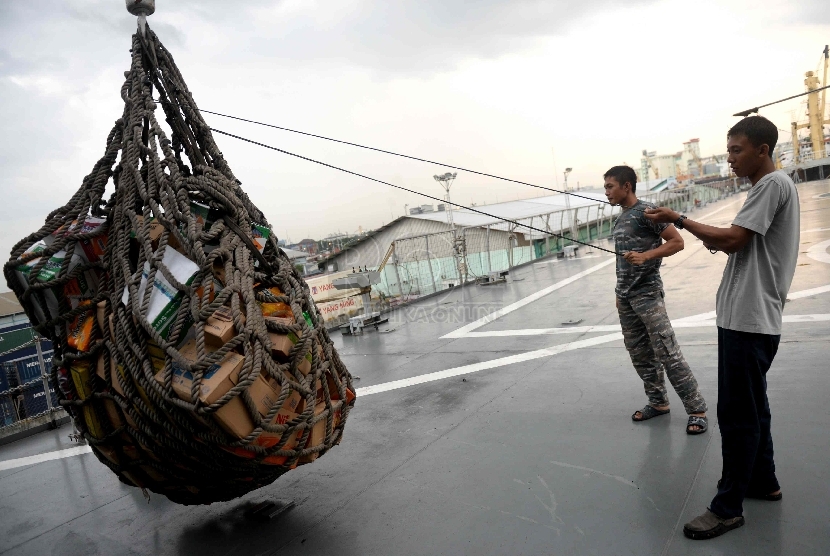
28	368
34	402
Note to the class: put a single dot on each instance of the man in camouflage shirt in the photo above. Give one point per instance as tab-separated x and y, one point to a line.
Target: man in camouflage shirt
646	328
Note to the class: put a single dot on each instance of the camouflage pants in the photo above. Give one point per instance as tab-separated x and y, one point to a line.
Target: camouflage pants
649	339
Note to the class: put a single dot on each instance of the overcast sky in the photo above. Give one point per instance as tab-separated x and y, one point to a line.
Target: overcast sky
511	88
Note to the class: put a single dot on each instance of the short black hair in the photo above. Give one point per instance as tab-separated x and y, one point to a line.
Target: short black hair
623	174
758	130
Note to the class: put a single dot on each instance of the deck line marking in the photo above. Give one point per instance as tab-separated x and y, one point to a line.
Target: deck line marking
702	320
460	332
816	230
808	293
818	252
485	365
464	330
40	458
714	212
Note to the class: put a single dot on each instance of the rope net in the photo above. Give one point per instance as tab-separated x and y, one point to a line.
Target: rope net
188	349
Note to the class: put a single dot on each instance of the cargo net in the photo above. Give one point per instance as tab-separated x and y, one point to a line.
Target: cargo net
188	349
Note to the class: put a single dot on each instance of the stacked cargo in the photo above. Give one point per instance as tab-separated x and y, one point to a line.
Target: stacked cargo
187	348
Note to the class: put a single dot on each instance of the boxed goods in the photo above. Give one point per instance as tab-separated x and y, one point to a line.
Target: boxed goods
165	299
219	327
81	375
92	249
82	286
82	329
281	345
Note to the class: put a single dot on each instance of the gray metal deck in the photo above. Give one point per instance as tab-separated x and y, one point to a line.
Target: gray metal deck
527	448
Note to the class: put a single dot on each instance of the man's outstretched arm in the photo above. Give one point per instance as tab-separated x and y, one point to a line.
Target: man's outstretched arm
728	240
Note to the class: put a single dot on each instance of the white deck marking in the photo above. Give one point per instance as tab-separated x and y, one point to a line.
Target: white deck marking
692	321
818	252
816	230
48	456
483	366
461	332
714	212
808	293
701	320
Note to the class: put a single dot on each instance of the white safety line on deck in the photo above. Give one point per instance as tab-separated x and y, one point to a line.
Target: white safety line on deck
701	320
461	332
818	252
40	458
483	366
816	230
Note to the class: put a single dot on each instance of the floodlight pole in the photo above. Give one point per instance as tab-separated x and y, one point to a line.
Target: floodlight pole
446	182
571	217
458	244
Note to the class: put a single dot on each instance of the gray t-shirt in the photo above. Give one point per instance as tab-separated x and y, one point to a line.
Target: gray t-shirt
634	232
757	278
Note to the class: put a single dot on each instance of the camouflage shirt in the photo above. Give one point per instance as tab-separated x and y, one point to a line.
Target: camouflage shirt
634	232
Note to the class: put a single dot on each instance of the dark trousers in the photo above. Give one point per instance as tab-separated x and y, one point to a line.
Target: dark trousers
744	419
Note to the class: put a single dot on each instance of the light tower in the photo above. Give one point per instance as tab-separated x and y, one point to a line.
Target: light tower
571	217
459	244
446	182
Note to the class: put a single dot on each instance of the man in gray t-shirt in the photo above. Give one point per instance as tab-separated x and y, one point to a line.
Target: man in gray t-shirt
763	246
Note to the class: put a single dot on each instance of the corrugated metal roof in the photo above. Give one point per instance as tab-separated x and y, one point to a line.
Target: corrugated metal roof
371	248
9	304
293	253
514	210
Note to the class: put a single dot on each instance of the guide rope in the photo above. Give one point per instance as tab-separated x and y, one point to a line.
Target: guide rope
384	151
472	209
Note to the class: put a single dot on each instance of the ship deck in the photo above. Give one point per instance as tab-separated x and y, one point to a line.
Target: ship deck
484	425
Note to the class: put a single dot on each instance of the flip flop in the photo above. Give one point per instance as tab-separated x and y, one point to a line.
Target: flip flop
647	413
701	422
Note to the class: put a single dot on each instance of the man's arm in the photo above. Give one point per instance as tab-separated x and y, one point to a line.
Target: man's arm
673	244
728	240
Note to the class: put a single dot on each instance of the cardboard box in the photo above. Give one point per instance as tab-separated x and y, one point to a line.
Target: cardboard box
219	328
285	415
101	371
217	379
234	416
281	345
91	250
81	375
318	432
49	271
165	300
155	229
82	330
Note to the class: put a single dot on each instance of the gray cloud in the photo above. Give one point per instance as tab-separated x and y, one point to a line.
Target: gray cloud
401	37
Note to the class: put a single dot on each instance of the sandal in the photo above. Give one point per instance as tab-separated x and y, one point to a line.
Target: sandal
769	497
695	421
710	525
647	413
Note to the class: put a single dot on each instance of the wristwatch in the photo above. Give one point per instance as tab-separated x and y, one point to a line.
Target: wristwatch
679	222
